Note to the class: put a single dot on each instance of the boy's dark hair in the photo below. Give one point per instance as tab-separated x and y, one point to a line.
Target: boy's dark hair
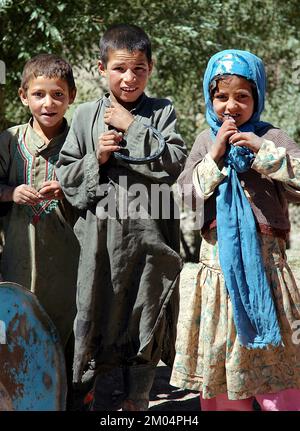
124	36
50	66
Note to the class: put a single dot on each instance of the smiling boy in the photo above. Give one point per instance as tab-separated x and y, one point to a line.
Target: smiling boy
127	295
41	250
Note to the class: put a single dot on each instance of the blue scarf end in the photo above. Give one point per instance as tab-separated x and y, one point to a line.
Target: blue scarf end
261	342
254	311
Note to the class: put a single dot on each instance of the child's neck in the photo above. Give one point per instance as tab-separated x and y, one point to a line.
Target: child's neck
48	133
130	105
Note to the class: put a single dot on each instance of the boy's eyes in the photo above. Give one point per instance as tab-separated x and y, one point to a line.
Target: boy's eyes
123	70
41	94
38	94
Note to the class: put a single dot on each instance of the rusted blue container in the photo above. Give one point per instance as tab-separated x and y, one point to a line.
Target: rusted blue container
32	364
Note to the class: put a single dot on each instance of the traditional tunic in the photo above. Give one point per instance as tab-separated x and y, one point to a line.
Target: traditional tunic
41	251
128	276
209	357
129	266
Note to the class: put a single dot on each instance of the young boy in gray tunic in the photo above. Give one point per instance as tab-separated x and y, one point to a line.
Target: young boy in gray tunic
127	297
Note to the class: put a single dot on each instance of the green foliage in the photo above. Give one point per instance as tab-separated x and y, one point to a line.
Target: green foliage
31	27
184	34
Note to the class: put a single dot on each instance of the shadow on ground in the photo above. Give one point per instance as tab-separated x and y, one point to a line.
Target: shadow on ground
109	394
165	397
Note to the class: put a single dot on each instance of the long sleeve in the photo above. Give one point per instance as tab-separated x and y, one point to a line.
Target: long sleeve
207	176
201	174
280	163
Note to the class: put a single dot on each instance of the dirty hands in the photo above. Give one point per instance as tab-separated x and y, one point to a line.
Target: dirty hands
229	132
120	119
51	190
117	116
108	142
27	195
246	139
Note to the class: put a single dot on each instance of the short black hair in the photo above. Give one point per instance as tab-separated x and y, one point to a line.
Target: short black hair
124	36
50	66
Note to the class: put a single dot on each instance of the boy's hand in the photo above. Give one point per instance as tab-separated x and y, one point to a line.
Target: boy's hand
25	195
246	139
108	142
227	130
117	116
51	190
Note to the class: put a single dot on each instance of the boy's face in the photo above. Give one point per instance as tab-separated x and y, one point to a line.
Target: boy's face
48	100
234	97
127	74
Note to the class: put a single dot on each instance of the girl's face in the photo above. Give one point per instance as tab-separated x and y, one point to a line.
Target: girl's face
234	97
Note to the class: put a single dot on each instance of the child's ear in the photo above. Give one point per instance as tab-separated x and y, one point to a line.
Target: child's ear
151	64
23	96
72	95
101	68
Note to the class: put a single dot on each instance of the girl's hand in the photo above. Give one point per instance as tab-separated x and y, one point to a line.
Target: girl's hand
51	190
25	195
227	130
108	142
246	139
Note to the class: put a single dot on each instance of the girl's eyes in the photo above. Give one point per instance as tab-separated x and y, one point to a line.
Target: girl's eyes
220	96
224	97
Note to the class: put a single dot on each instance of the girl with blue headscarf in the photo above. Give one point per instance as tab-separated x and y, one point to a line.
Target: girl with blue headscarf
238	343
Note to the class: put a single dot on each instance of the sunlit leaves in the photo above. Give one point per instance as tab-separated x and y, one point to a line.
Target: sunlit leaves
184	34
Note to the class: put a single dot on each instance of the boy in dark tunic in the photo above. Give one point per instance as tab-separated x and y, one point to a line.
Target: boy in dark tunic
127	298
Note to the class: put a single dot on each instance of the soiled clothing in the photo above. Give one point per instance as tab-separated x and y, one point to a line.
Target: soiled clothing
267	187
127	298
41	251
209	357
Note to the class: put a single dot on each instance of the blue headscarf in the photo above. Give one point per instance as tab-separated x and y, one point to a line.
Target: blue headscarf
242	63
239	248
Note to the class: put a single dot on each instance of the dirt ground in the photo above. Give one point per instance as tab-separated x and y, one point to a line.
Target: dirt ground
164	397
